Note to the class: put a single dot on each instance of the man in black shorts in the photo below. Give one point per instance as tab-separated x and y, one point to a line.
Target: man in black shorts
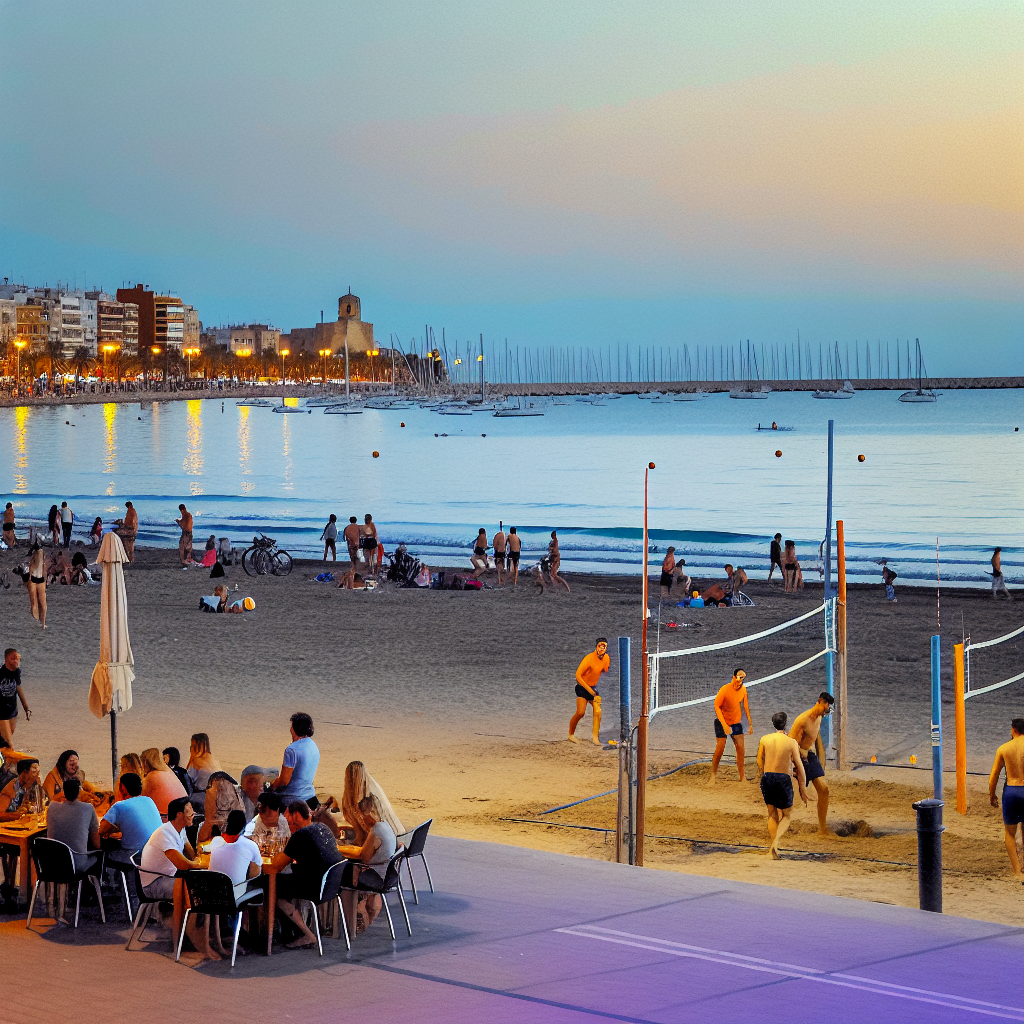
10	693
807	733
513	545
775	554
590	670
778	757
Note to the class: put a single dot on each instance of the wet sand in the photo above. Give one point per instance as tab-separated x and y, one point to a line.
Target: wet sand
459	705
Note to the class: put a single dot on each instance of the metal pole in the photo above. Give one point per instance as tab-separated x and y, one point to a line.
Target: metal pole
483	396
826	726
961	728
645	708
622	829
842	761
929	854
936	720
347	397
114	760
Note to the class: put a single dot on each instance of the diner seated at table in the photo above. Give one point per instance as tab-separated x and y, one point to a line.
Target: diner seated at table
239	858
18	795
168	851
172	758
73	822
201	765
134	816
379	846
310	852
359	783
9	765
66	769
223	795
269	821
254	782
159	782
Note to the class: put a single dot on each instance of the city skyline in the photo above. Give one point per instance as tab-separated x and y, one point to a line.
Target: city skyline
661	175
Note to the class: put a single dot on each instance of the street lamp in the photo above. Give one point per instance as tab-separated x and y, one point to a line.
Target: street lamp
106	350
19	345
243	353
284	352
189	353
325	352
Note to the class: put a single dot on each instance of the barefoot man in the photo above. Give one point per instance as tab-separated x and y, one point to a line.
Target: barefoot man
351	535
499	550
515	547
1011	757
807	732
587	676
778	756
730	704
185	541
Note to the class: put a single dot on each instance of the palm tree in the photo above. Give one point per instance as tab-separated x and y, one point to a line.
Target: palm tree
54	350
81	360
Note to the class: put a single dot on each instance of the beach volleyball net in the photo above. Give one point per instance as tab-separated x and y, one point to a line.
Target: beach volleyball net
694	675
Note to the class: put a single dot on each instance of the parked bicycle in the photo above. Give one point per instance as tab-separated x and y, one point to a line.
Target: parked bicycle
264	558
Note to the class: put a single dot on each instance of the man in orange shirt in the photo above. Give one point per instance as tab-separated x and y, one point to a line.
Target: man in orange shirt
730	703
587	676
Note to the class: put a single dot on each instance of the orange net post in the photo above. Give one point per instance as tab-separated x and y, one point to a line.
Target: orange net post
961	728
842	751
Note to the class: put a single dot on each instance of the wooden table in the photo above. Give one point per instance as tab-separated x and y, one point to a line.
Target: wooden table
20	833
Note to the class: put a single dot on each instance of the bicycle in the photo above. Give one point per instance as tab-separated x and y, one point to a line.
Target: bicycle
264	558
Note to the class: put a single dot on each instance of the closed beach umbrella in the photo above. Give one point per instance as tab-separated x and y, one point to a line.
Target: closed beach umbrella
111	689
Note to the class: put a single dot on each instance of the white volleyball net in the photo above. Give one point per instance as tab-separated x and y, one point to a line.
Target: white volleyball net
992	664
694	675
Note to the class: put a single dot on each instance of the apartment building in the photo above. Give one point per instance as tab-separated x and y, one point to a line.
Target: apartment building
161	318
193	327
258	339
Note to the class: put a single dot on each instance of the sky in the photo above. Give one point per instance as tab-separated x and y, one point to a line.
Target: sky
553	174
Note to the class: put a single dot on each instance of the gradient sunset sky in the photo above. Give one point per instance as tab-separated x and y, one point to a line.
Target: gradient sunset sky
549	173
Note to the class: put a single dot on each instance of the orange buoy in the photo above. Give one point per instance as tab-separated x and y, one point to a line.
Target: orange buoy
650	465
376	455
402	424
860	458
778	453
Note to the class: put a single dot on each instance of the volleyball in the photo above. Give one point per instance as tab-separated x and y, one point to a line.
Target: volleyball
860	458
778	453
376	455
248	604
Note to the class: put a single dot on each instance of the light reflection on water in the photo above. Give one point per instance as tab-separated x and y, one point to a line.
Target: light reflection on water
286	454
244	450
110	443
193	461
20	449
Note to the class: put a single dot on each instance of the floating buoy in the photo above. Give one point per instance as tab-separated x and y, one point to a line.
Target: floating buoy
402	424
483	435
376	455
67	423
860	458
650	465
778	453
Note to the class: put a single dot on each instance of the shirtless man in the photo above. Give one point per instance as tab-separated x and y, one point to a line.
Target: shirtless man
128	529
730	703
479	559
515	546
587	676
775	554
9	539
1010	756
499	550
778	757
668	568
807	733
351	535
185	541
998	580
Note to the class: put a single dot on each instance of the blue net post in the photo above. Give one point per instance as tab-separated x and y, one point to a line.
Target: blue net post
936	719
826	724
623	820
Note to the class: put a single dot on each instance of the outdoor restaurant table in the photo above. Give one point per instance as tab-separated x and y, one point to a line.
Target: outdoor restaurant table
20	832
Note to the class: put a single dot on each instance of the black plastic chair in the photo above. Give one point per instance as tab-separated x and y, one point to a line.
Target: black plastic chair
330	892
55	863
414	842
146	904
371	882
124	868
212	892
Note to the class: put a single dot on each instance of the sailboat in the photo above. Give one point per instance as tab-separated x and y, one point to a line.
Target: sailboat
691	396
530	409
748	392
922	394
846	391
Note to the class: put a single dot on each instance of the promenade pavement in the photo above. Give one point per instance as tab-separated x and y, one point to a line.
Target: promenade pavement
513	934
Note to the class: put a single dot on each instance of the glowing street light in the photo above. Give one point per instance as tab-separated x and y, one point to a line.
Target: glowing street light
243	353
19	344
324	353
189	353
284	352
107	349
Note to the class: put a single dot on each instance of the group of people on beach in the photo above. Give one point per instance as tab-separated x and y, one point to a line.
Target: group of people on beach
161	812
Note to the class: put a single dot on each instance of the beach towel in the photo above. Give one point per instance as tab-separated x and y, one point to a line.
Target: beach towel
209	558
209	603
325	577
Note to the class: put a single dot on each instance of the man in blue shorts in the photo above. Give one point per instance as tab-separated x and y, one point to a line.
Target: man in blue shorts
778	757
1010	756
807	733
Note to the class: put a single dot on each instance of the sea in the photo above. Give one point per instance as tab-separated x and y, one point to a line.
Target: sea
931	488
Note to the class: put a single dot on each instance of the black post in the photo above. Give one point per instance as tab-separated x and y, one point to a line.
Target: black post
114	762
929	854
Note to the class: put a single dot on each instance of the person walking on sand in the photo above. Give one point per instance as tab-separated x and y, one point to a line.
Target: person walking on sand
730	703
888	579
1010	758
37	583
515	547
351	535
998	580
10	693
778	757
128	530
479	559
67	522
554	561
9	539
499	550
185	541
775	554
668	568
330	537
587	677
807	733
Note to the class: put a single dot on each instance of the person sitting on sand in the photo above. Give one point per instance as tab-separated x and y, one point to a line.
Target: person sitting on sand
58	569
1010	758
588	675
668	568
730	703
78	574
479	559
778	758
128	530
807	733
352	581
66	769
737	581
793	574
159	783
370	856
224	605
96	533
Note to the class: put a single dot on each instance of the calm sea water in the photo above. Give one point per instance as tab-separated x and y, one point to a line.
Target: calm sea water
949	471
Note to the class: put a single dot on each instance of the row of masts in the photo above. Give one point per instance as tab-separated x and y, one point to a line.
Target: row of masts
460	362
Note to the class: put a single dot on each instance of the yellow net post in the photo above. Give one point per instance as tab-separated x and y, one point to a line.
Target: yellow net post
961	728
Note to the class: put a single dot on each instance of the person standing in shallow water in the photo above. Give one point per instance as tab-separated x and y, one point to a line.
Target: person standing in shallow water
330	537
998	580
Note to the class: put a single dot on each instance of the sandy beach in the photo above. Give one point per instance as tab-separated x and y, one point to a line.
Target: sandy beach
459	702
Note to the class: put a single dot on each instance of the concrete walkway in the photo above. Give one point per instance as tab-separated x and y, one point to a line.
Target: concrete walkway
536	937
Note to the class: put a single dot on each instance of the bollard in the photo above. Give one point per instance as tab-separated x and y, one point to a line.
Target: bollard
929	854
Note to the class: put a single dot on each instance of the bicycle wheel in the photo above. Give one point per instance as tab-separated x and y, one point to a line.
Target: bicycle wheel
281	563
249	561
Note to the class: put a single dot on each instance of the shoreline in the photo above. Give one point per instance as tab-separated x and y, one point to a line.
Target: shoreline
542	390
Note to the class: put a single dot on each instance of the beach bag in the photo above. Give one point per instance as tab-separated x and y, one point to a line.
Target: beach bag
473	585
216	571
325	577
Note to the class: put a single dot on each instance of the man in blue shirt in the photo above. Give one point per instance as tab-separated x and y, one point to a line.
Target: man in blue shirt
135	816
301	758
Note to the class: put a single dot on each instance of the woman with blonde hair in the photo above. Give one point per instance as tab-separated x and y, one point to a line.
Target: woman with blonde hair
201	765
359	784
159	783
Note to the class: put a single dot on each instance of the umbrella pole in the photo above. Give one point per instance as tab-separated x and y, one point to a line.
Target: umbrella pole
113	748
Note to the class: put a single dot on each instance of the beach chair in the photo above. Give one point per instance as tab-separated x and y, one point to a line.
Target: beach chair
146	904
371	882
329	892
55	863
211	892
414	842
